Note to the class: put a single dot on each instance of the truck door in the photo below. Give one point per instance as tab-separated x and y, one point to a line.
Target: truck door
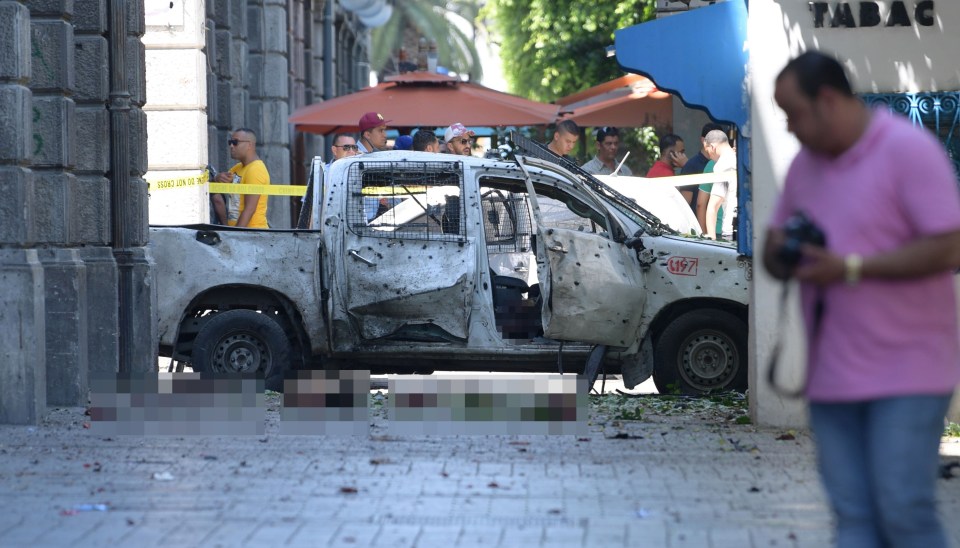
593	286
409	268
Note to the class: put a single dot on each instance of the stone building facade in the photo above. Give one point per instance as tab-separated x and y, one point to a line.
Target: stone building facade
213	66
89	90
74	270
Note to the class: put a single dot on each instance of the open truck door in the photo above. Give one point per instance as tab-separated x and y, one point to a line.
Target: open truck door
592	285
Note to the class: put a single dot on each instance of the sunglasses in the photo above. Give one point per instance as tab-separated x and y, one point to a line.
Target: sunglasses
235	142
463	141
347	147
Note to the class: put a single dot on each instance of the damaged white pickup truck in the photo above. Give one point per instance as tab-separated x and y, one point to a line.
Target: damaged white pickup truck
418	262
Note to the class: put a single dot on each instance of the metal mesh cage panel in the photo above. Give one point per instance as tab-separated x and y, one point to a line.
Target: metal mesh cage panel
506	221
416	200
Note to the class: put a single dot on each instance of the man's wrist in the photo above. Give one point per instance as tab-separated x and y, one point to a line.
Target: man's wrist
852	268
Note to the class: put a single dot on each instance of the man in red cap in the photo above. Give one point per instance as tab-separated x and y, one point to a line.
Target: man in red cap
373	132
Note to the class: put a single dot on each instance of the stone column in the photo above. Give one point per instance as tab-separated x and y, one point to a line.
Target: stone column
269	91
58	194
128	162
92	221
23	397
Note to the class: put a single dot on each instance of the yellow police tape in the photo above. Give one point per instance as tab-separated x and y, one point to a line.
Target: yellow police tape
180	182
226	188
270	190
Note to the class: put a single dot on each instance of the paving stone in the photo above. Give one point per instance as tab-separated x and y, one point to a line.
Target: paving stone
682	489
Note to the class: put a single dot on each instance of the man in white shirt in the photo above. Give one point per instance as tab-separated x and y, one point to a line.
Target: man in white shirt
717	148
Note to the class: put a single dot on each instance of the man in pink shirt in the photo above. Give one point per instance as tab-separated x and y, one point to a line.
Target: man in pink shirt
878	301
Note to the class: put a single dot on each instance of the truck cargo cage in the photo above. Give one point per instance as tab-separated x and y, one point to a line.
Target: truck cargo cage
416	200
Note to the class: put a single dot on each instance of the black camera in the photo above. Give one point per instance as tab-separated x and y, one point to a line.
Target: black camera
799	230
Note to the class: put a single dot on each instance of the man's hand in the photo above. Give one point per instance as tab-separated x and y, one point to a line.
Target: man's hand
819	266
678	159
224	177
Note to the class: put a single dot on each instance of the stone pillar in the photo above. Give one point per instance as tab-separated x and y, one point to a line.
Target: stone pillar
128	161
65	288
23	394
93	220
772	149
58	221
23	397
269	91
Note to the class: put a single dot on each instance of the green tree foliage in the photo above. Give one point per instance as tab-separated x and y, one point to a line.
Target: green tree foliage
413	19
552	48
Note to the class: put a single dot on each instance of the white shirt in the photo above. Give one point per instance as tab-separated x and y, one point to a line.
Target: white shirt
728	191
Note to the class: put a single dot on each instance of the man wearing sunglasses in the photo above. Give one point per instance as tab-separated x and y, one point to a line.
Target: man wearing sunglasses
250	170
344	146
459	140
605	161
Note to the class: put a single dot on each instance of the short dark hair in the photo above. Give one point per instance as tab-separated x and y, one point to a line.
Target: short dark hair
568	126
708	127
669	140
423	138
336	138
248	131
815	70
606	131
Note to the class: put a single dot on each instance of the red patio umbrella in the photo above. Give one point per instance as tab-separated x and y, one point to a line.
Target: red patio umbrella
423	99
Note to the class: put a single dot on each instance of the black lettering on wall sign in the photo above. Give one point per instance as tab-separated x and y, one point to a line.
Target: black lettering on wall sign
898	15
843	17
819	10
869	14
924	13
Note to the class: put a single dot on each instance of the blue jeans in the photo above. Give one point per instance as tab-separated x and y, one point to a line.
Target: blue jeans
878	462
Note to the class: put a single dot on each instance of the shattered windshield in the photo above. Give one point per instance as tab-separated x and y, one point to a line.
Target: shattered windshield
627	206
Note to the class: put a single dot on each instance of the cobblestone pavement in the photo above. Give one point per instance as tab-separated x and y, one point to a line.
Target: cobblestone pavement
681	475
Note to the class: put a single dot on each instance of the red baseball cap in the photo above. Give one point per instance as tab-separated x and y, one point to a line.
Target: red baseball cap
372	120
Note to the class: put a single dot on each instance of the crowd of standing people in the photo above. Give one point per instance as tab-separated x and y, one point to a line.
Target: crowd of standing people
714	204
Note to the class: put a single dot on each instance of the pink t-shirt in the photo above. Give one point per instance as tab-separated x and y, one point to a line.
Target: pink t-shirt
880	338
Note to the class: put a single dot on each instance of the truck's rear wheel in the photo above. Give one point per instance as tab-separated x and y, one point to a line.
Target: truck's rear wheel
701	351
243	341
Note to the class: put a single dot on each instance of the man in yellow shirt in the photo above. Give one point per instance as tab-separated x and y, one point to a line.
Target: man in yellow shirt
249	171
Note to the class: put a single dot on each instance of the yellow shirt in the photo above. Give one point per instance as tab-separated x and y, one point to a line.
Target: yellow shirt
254	173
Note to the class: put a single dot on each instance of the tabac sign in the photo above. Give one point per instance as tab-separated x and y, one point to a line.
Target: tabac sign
872	14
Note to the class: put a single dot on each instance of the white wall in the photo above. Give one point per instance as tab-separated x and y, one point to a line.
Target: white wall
879	60
176	68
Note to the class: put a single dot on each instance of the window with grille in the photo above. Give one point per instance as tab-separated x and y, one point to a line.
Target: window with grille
416	200
506	221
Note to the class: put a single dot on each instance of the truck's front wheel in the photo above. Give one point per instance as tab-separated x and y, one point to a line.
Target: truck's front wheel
243	341
701	351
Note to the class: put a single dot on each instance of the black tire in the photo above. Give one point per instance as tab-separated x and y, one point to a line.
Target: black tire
700	352
243	341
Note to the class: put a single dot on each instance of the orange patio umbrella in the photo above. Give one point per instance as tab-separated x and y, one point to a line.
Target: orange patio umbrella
424	99
628	101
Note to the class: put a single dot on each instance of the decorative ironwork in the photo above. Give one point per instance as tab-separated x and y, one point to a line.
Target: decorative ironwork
937	111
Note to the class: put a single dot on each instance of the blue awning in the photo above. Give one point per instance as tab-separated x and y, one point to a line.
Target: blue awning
700	56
